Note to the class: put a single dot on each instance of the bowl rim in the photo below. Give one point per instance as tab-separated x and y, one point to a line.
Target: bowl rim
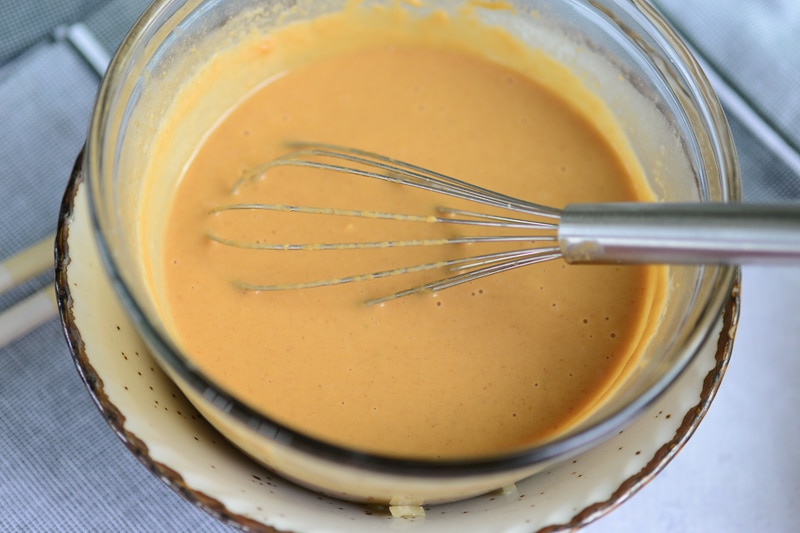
278	433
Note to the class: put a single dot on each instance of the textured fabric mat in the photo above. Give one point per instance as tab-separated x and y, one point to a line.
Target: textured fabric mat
61	468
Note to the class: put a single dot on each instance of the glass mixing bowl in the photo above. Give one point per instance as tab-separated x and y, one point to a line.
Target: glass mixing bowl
623	50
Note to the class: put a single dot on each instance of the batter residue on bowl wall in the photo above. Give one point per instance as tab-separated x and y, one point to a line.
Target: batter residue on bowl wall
476	370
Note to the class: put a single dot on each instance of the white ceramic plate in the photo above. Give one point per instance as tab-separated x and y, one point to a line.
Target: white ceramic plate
158	425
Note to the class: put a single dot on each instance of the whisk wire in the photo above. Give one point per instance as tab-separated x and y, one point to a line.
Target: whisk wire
394	171
374	166
484	219
531	257
476	267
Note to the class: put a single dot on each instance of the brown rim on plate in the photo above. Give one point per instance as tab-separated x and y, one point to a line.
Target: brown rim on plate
94	383
116	420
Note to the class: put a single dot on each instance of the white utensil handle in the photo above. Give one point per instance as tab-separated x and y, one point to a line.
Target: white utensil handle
27	264
27	315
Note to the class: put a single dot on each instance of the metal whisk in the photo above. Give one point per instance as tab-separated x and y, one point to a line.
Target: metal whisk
603	233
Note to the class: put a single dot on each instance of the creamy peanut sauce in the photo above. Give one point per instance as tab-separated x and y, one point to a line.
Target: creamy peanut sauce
475	370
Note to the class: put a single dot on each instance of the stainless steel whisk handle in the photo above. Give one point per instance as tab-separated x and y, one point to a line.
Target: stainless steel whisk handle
676	233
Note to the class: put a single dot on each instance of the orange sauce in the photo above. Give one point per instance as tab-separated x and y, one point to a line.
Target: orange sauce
479	369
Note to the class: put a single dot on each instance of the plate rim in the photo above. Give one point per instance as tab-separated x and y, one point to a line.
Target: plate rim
116	420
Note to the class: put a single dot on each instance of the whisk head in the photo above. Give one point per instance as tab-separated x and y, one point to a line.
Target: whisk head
527	231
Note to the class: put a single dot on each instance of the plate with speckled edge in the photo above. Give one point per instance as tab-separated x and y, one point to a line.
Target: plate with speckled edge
170	438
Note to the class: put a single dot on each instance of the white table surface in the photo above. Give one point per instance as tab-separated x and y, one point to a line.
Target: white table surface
740	472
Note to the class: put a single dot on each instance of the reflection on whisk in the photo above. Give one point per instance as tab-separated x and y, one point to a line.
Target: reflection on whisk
689	233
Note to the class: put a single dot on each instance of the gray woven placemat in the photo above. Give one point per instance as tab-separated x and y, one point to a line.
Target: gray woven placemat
61	469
